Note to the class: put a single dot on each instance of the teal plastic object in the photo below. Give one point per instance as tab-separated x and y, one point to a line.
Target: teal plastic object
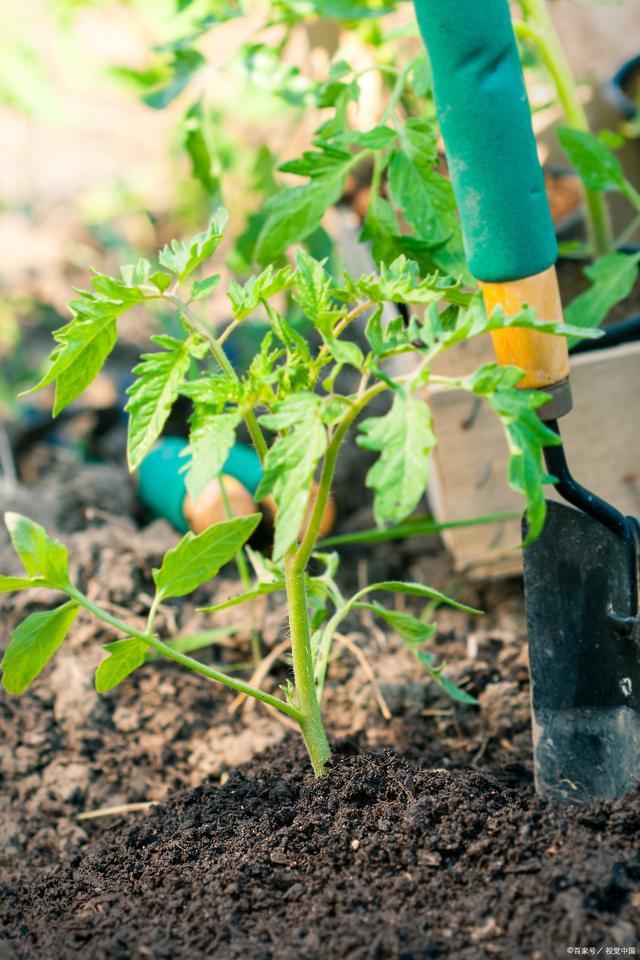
243	464
161	477
161	486
486	126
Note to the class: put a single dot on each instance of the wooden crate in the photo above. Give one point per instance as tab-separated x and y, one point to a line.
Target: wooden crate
468	474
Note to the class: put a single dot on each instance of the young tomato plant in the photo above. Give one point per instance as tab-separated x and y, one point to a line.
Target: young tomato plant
298	419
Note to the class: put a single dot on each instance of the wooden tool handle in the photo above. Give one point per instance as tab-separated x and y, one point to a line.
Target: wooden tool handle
543	356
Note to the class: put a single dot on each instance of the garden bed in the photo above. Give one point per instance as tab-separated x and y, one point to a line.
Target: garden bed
382	858
66	750
438	848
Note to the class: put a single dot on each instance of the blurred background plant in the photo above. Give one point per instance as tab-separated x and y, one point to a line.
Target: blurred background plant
126	122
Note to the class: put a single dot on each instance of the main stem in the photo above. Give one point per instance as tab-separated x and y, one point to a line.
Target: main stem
307	700
541	29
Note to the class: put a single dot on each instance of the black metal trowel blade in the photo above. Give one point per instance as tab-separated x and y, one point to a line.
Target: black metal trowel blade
585	669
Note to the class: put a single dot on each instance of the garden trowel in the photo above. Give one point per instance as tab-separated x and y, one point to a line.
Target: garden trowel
581	574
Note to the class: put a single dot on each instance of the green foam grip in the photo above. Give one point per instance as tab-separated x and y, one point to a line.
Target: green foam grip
485	121
161	477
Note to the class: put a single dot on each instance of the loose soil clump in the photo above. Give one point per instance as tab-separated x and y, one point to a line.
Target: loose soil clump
380	859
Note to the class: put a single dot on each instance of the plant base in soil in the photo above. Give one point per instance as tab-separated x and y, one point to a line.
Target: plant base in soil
378	859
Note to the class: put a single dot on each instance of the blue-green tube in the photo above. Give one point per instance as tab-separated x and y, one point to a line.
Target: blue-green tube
161	477
485	121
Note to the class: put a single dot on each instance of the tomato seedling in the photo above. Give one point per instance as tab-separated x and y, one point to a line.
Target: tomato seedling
298	417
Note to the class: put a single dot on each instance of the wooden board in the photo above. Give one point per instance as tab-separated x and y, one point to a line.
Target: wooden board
602	437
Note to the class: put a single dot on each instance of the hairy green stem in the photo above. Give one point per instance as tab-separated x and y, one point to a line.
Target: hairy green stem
307	701
300	557
220	356
540	28
165	650
306	547
153	609
398	89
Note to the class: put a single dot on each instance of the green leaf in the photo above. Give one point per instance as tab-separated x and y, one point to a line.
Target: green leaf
327	160
261	591
475	321
338	96
375	139
152	395
401	283
418	525
295	343
313	293
162	281
426	198
32	645
291	463
202	288
41	555
198	149
120	292
183	258
420	143
133	274
346	352
346	10
381	228
383	340
375	332
197	559
124	656
129	290
182	68
339	69
449	687
10	584
419	590
404	439
83	346
245	299
421	76
596	165
294	213
610	138
525	432
612	279
211	439
405	625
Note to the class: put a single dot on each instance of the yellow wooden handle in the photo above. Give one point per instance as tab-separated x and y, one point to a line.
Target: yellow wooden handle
543	356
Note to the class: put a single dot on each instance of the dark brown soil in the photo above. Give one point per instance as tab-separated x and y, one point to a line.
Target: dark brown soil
381	859
66	751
